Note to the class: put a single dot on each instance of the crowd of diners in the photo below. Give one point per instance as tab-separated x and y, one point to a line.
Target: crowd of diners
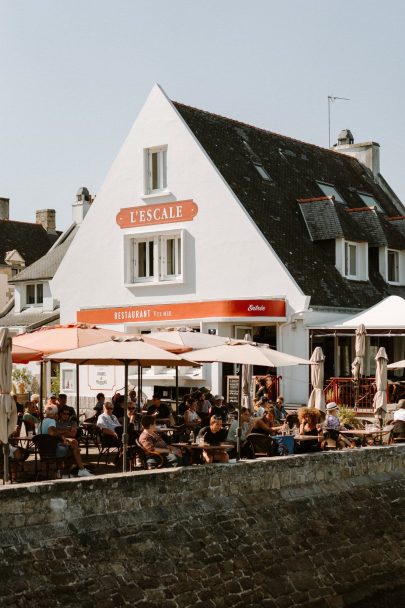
202	418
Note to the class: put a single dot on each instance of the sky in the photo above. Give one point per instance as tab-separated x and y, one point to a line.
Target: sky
75	74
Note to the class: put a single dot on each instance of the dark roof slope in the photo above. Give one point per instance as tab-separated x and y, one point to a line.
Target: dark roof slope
294	168
46	267
31	241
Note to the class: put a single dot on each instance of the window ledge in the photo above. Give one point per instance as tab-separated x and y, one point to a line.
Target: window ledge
157	194
154	283
395	283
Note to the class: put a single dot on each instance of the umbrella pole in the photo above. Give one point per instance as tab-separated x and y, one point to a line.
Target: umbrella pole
177	392
125	430
6	471
77	392
41	391
239	431
139	389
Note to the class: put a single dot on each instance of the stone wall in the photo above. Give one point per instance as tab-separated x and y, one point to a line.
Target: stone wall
319	530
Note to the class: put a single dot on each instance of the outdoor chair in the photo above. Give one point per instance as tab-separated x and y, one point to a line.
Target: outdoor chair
145	454
46	447
107	446
330	440
260	445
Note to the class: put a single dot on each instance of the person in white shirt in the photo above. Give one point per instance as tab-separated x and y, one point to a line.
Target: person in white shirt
399	421
109	423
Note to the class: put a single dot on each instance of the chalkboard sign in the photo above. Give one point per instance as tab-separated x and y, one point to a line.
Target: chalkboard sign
232	390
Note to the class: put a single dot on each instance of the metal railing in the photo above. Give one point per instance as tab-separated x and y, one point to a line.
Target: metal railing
356	394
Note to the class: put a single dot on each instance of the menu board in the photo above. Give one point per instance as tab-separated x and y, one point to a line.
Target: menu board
232	389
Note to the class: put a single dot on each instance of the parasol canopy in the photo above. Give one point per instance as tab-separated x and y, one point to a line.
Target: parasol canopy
131	350
317	397
380	397
241	353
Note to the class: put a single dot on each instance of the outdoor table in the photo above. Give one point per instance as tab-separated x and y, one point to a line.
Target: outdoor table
363	434
307	437
197	447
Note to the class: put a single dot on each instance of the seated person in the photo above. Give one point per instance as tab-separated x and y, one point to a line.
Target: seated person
66	445
191	418
246	425
279	410
98	408
62	403
151	441
67	423
333	423
309	419
110	426
399	421
214	434
258	406
118	408
219	409
183	404
31	416
158	408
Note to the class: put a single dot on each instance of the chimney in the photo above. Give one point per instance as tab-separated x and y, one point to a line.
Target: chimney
81	205
47	218
4	208
367	153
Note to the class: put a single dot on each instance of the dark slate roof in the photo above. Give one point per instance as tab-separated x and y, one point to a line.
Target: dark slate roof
30	240
295	168
46	267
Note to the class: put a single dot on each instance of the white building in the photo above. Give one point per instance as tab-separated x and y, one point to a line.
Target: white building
207	222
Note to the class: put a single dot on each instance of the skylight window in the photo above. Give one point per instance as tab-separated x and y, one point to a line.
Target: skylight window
329	190
262	172
369	201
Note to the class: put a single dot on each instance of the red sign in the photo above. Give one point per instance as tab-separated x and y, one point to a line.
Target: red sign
192	310
164	213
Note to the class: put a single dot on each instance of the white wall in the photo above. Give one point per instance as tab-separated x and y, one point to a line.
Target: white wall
226	257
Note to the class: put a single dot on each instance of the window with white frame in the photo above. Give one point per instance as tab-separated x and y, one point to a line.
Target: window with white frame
34	294
351	260
330	190
392	266
370	201
155	169
154	258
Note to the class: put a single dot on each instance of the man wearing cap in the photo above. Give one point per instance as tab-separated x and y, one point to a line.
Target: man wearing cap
219	409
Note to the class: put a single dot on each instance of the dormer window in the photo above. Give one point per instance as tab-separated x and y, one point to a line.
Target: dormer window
393	266
370	201
329	190
34	294
352	259
155	169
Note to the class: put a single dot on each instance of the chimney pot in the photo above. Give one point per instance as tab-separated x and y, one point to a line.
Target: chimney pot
4	208
47	219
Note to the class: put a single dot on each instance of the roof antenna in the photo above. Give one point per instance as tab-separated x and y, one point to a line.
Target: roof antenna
332	98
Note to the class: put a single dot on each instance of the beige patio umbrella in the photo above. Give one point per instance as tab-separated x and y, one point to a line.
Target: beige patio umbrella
8	410
397	365
241	353
125	351
360	347
380	397
317	397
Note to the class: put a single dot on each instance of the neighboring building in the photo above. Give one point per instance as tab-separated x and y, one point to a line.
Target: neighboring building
21	244
225	227
34	303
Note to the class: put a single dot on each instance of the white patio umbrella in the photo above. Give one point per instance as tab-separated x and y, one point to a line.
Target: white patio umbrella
317	397
246	354
380	397
247	371
122	351
397	365
360	347
8	409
